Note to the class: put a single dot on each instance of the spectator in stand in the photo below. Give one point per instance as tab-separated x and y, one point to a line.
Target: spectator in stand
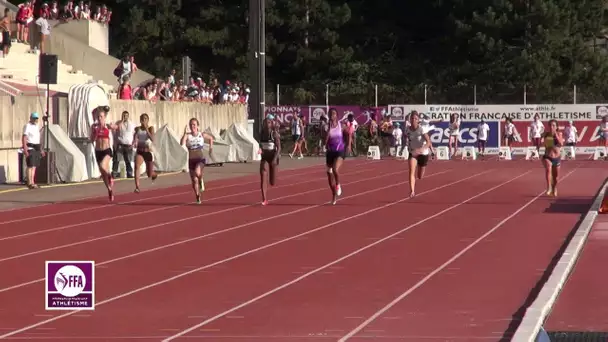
124	90
45	31
171	78
54	11
85	12
66	14
25	16
5	27
124	69
45	11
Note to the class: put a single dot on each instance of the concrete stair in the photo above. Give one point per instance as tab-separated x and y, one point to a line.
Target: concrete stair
21	66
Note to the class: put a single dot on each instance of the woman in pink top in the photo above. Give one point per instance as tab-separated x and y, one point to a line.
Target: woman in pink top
336	148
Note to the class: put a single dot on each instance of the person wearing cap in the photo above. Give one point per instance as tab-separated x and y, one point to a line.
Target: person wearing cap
270	151
32	150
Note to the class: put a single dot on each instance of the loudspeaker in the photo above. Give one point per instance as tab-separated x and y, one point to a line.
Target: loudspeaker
47	174
47	69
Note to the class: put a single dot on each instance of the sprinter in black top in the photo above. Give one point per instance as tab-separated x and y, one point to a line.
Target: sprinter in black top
270	150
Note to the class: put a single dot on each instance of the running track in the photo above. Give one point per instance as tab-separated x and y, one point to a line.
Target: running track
458	262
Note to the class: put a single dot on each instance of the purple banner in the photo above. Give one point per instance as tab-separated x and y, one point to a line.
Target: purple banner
312	114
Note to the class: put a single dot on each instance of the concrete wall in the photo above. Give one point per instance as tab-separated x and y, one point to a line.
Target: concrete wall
84	46
91	33
14	113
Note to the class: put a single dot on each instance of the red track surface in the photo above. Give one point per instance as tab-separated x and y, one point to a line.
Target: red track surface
455	263
583	303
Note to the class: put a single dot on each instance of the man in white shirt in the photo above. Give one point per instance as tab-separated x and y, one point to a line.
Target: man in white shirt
123	144
32	150
482	136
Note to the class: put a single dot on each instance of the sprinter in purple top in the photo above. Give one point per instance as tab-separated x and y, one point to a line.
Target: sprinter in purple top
336	147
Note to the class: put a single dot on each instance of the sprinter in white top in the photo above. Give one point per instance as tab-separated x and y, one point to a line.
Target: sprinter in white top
510	132
604	131
536	131
142	141
194	140
454	131
482	137
420	146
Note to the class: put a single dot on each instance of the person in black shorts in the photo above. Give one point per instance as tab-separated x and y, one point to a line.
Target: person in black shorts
270	150
420	146
142	141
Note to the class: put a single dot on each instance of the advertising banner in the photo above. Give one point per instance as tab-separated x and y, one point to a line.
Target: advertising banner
363	115
588	134
313	114
284	114
468	134
563	112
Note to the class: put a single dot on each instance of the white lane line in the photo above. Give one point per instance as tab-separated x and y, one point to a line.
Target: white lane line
443	266
356	252
238	256
165	246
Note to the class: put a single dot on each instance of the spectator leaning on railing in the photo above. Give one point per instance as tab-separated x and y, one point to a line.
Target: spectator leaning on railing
31	11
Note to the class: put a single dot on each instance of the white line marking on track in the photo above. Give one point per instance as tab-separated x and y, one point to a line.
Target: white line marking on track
126	232
444	265
206	235
234	257
144	199
356	252
290	175
156	210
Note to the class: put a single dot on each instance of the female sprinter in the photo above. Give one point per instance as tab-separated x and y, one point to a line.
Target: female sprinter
552	159
270	144
536	132
338	132
419	147
100	136
143	139
454	128
510	132
194	140
604	131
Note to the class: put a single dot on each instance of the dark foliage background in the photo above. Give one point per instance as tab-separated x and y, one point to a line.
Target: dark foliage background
499	46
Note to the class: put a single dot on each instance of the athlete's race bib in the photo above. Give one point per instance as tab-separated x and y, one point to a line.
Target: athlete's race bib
267	146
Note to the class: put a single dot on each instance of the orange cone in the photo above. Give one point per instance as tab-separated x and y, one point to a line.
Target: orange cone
604	206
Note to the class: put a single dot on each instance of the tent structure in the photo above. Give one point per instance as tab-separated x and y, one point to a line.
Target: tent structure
223	152
169	154
245	146
70	162
82	99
